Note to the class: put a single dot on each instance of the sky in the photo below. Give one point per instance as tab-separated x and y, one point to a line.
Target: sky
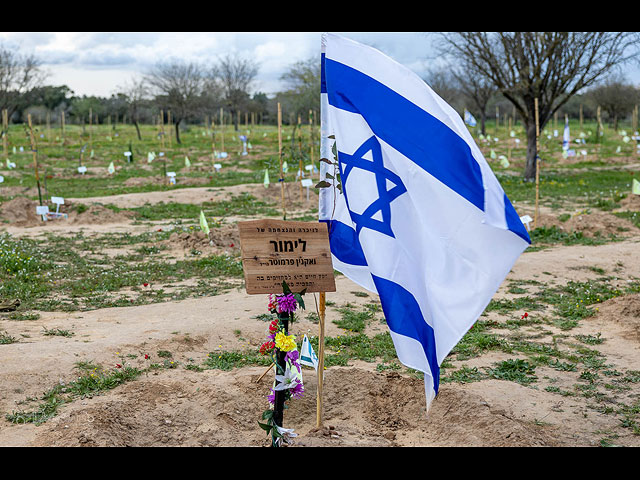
96	63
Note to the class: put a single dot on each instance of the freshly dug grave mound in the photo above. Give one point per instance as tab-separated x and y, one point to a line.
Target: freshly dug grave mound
590	224
225	237
625	311
630	202
20	212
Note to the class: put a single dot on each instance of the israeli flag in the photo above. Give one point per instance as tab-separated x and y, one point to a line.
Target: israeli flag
566	139
307	355
419	218
469	119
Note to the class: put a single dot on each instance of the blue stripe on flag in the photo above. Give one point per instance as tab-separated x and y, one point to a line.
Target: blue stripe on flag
412	131
513	221
404	317
344	243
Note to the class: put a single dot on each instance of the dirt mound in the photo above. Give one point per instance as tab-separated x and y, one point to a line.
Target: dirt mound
624	311
97	214
215	408
225	237
20	211
590	224
631	202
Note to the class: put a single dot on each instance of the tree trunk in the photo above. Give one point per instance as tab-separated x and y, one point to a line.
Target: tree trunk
483	119
178	130
530	168
137	129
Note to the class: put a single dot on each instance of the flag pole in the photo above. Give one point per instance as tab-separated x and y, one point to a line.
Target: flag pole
284	213
535	215
320	360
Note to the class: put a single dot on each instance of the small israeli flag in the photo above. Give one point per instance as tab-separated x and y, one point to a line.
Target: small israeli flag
469	119
307	355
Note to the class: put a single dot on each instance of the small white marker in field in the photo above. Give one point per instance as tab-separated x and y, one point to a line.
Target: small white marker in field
526	219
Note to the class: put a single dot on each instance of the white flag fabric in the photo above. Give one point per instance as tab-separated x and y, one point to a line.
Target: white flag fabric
420	218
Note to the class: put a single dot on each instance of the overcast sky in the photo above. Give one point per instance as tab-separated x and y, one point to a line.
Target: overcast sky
96	63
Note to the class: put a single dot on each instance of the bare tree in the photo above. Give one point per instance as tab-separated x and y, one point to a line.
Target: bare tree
549	66
235	76
181	87
616	97
136	93
303	86
18	75
478	89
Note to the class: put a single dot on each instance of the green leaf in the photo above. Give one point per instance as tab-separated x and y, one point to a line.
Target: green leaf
285	288
325	160
329	176
299	299
323	184
265	427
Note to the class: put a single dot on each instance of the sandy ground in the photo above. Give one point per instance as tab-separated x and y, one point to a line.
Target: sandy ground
361	406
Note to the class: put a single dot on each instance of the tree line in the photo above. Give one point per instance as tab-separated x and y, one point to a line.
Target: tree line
185	92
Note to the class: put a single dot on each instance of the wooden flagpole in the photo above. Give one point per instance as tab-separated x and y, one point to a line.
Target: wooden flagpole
535	215
321	314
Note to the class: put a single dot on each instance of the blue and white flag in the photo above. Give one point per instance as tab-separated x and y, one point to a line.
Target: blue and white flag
469	119
307	356
419	218
566	139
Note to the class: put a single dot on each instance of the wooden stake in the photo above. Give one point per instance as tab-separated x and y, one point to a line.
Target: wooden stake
311	142
5	133
320	359
535	215
35	157
284	213
169	126
300	158
90	128
222	130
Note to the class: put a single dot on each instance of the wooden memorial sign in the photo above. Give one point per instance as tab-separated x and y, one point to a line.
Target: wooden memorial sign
274	251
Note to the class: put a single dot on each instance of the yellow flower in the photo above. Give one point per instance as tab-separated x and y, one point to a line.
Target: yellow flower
285	343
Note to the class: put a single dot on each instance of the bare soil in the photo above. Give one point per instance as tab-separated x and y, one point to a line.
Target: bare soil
361	405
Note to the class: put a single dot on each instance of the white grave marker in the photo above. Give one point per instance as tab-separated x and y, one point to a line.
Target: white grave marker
526	219
307	182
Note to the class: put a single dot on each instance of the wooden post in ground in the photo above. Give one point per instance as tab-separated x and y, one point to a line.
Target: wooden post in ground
5	133
300	167
35	157
221	130
284	213
537	159
321	314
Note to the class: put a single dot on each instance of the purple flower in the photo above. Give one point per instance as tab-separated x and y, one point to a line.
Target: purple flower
287	303
272	397
297	391
292	357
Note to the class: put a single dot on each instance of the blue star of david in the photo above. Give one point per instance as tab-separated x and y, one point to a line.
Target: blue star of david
385	197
